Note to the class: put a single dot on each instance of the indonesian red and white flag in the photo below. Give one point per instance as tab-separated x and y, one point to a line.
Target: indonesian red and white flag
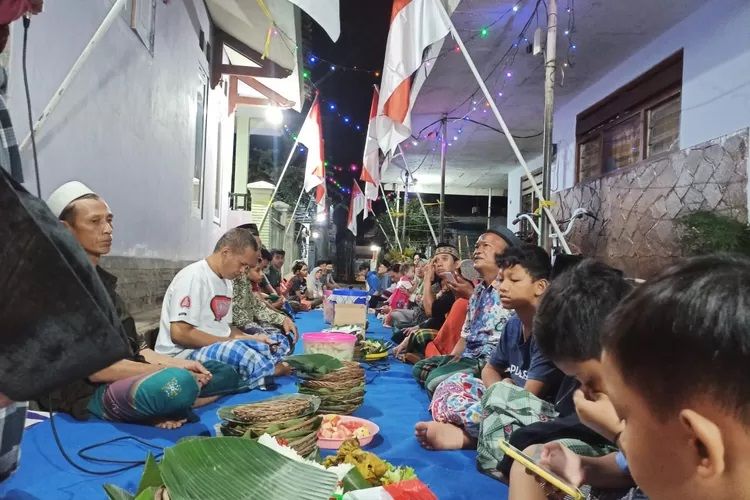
311	135
416	25
357	204
371	158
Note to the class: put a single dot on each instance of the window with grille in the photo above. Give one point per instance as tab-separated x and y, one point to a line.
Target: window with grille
636	122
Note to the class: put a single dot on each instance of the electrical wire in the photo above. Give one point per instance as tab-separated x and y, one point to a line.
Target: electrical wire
82	453
26	24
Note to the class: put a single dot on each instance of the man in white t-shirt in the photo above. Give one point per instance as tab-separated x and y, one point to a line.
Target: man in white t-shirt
196	315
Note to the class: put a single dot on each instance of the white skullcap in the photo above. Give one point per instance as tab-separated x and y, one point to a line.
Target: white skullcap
65	194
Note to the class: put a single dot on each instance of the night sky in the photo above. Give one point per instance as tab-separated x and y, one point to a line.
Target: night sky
346	94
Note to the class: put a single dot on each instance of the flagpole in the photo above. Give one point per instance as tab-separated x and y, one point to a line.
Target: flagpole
503	126
286	165
419	197
299	198
388	209
387	238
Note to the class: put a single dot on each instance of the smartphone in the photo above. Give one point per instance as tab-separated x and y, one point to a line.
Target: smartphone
449	277
552	479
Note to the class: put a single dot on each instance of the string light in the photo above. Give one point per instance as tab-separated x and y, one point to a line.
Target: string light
484	33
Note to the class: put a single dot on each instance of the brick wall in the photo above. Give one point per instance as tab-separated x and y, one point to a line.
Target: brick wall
141	281
637	207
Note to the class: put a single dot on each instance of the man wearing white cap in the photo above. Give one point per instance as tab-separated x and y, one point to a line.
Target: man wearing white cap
147	387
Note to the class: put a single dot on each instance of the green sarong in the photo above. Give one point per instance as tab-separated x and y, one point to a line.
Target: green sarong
507	407
431	371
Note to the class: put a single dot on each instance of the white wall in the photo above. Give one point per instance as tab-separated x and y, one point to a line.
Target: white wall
716	80
126	125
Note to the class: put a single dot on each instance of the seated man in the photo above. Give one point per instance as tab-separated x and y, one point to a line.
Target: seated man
437	300
273	272
375	284
148	387
516	381
484	324
328	282
196	316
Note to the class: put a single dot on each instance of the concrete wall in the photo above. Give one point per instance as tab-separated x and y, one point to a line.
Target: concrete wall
126	125
637	207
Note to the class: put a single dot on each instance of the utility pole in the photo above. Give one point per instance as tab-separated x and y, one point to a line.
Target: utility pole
550	70
443	155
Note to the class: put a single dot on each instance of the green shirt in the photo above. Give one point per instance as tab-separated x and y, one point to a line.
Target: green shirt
274	276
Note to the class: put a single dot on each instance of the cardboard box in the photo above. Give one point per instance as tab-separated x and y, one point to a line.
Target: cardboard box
350	314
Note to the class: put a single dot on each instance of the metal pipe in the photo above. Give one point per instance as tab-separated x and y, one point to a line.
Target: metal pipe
406	201
506	131
443	151
427	218
286	165
489	207
419	197
52	104
398	208
388	209
294	211
550	55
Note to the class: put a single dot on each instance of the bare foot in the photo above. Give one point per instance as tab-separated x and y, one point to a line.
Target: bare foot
170	424
282	369
442	436
204	401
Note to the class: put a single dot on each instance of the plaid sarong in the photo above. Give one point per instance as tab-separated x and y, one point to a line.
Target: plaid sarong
10	159
507	407
253	360
12	419
418	340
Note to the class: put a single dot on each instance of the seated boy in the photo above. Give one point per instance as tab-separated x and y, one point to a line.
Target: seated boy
567	328
196	314
517	377
252	314
675	366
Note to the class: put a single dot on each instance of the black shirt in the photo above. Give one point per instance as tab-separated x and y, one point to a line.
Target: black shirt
441	306
297	284
74	398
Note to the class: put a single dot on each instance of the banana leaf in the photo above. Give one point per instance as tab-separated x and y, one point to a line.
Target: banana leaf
314	364
151	476
147	494
354	481
226	467
114	492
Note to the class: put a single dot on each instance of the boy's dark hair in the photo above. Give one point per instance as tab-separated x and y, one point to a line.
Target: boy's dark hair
250	226
533	258
396	268
569	319
277	251
320	262
265	254
298	266
685	333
